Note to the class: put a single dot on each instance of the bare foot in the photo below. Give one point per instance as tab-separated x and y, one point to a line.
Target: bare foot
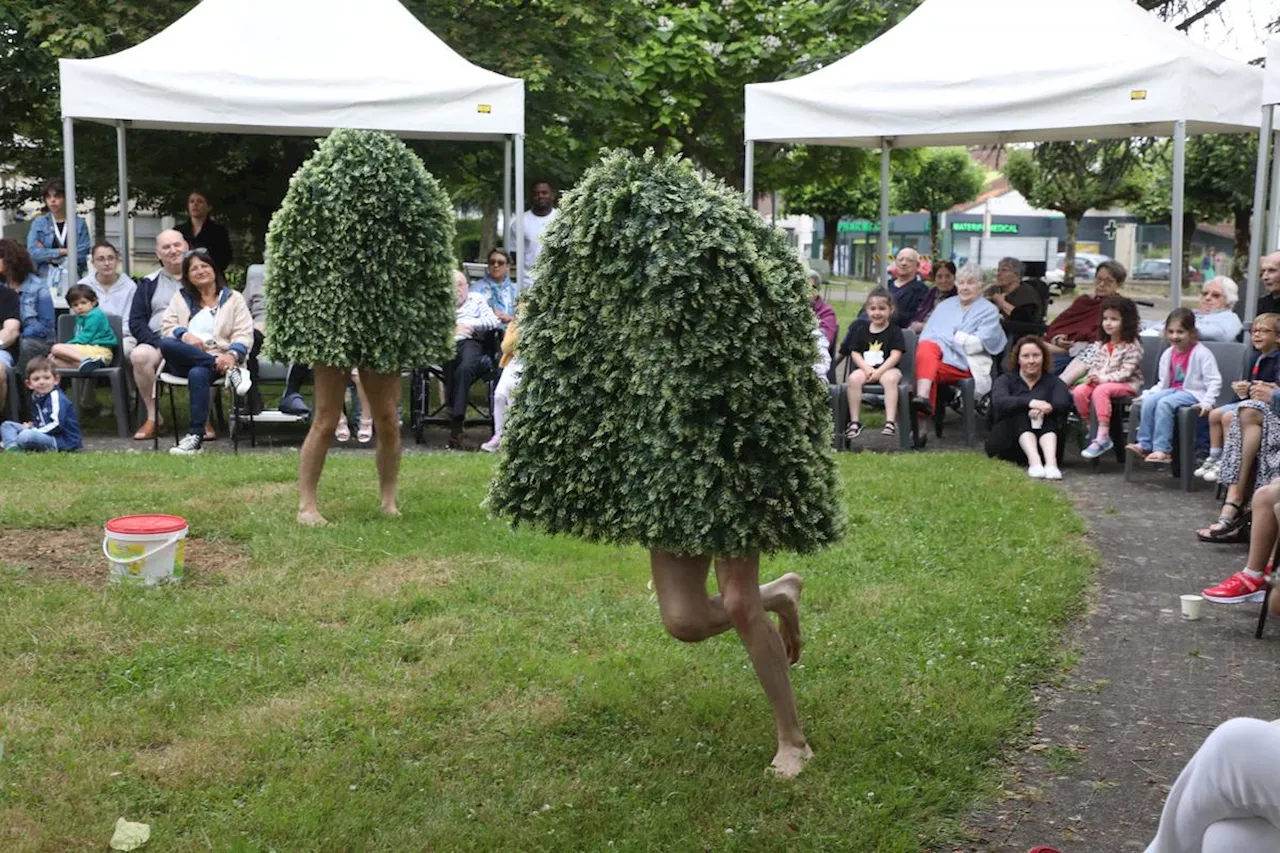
311	518
789	616
789	761
391	510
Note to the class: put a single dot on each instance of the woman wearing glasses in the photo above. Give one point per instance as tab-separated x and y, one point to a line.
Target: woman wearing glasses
1215	318
206	332
496	286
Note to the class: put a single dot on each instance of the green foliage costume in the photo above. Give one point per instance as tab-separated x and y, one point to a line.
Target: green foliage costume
668	396
360	259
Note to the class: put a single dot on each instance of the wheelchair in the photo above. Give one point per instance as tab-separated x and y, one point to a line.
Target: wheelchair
425	411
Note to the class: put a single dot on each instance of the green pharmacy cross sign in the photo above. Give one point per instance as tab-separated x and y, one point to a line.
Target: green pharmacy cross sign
996	227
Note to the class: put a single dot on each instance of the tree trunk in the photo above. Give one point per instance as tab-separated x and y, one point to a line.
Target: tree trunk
1188	231
935	248
99	220
830	224
1069	261
1240	258
488	226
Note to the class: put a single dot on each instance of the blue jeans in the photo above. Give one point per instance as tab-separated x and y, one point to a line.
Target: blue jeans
1060	362
198	366
1155	431
14	434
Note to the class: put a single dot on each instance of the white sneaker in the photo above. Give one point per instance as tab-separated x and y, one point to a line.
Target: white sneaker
189	446
492	445
1211	473
1051	472
1036	472
239	380
1205	467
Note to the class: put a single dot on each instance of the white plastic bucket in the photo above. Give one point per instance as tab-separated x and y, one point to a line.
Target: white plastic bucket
145	549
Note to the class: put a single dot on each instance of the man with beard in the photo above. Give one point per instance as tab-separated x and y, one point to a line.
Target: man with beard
540	214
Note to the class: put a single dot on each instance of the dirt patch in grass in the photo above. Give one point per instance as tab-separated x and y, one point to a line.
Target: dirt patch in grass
75	554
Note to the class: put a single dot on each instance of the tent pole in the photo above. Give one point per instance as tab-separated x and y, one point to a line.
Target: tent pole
1272	241
522	262
124	198
749	174
506	191
882	247
69	178
1256	228
1175	250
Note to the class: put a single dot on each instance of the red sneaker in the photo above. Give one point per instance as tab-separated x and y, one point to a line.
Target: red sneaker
1040	848
1238	588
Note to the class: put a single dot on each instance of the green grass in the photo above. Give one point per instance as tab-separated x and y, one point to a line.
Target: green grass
443	682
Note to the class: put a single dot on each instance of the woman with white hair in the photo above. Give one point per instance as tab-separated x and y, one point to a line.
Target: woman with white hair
1215	318
960	340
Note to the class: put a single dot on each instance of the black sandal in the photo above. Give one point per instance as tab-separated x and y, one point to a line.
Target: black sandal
1234	528
890	428
854	430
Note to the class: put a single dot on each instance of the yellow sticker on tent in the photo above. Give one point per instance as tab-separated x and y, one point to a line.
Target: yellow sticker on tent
1138	95
483	108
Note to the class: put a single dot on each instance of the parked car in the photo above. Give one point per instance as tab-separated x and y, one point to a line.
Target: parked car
1085	267
1153	269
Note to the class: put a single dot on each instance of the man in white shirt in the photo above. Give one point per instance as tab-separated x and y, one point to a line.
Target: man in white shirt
541	212
475	317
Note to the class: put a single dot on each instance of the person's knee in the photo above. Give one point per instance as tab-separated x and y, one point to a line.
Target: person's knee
892	376
741	606
1250	417
684	624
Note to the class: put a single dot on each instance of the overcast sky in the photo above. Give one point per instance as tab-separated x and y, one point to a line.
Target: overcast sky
1237	28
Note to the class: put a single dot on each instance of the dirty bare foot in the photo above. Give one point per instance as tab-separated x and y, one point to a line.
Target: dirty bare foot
311	518
789	761
789	615
391	510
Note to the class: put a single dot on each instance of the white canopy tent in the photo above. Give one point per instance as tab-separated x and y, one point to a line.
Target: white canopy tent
294	67
1016	71
1265	226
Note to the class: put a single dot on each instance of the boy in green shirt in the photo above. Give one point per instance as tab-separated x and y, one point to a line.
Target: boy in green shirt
93	342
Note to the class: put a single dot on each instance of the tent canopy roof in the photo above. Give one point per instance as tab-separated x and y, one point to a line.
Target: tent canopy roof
954	72
295	67
1271	78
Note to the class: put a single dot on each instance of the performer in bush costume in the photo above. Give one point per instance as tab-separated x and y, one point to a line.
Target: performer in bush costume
669	399
359	273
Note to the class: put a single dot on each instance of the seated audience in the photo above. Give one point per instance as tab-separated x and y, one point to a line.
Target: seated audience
1030	407
496	286
47	240
206	332
875	347
906	288
201	232
35	303
1021	308
93	344
1227	798
1215	319
474	318
115	289
960	340
1269	301
510	380
823	311
944	287
255	297
1188	376
53	425
1250	583
1115	372
150	302
10	337
1073	333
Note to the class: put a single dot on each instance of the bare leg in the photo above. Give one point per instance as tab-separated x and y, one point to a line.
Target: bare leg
366	408
64	356
691	615
1262	537
738	578
1250	442
854	389
1217	428
330	386
1027	441
890	382
923	387
145	361
1049	447
380	406
1073	371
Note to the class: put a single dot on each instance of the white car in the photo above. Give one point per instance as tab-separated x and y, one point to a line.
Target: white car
1086	267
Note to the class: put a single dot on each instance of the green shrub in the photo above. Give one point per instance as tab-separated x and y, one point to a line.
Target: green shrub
668	396
360	259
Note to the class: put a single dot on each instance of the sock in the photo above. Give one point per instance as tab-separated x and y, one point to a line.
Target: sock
1104	432
1215	452
1254	573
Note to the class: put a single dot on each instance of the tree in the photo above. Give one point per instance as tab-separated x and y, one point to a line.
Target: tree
1072	177
943	178
840	183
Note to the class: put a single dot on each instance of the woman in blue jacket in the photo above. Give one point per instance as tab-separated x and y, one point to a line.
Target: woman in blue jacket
47	239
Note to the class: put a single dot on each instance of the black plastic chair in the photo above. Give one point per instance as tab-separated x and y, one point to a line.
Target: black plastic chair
115	372
908	432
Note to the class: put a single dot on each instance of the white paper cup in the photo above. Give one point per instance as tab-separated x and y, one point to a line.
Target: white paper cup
1191	605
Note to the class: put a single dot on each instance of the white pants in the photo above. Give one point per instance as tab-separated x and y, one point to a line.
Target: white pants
1227	798
507	383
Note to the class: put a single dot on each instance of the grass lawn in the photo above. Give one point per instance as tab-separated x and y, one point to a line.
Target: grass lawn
442	682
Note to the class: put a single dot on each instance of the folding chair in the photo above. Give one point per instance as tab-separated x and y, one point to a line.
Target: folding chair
116	372
170	381
268	371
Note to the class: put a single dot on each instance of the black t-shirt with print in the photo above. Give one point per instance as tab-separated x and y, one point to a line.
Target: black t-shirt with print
875	347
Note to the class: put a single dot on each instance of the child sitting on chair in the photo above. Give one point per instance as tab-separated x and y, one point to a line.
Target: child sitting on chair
93	341
54	426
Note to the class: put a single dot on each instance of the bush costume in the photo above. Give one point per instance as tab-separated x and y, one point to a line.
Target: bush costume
360	260
668	396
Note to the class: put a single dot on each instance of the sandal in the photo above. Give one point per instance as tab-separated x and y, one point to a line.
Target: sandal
890	428
922	405
1137	450
343	432
1158	457
854	430
365	433
1229	528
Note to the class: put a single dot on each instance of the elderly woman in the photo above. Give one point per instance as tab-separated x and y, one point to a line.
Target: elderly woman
1021	308
959	341
206	332
1030	406
944	287
822	310
1215	319
1073	333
